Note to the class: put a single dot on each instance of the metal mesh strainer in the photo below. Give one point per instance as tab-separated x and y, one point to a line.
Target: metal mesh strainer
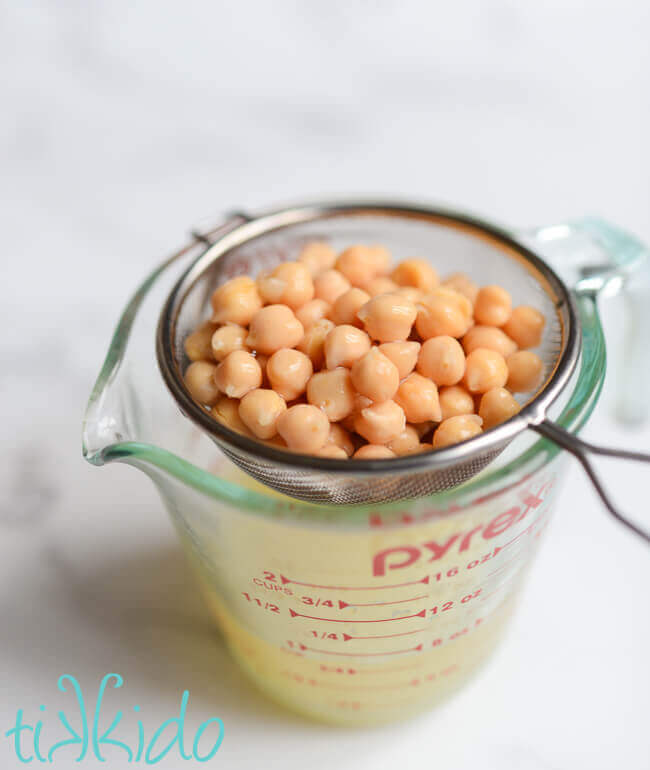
452	242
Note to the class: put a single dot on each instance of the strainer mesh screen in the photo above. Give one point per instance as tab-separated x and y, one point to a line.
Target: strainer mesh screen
334	489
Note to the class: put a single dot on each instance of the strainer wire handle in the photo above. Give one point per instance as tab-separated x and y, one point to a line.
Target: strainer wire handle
581	450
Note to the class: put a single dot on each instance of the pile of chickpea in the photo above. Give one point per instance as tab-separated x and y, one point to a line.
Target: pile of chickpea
338	355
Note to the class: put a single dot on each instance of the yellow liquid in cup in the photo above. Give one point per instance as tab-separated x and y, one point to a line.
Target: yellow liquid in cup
373	624
348	690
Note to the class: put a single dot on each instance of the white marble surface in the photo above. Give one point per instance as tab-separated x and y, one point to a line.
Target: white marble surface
123	124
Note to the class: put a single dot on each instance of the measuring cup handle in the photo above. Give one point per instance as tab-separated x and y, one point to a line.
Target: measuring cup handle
597	258
581	450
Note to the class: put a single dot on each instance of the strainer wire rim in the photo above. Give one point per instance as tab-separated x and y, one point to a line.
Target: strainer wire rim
533	412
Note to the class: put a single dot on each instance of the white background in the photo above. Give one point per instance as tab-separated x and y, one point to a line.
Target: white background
122	124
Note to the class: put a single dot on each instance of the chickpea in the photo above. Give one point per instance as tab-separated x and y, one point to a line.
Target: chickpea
290	283
381	258
525	326
236	301
295	401
332	392
238	373
344	310
524	371
407	443
463	284
329	286
380	423
360	264
459	300
313	342
278	442
388	317
485	369
375	376
199	380
226	339
226	411
417	273
493	306
304	428
259	410
442	360
312	311
333	451
454	401
274	327
490	337
373	452
497	406
317	256
418	397
443	312
380	285
263	361
197	344
423	428
403	354
347	423
344	345
289	371
361	402
457	429
410	292
409	364
340	438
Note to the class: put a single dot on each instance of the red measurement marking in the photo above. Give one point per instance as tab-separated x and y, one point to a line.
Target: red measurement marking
533	501
286	580
503	566
496	591
529	529
304	647
514	539
424	677
294	614
393	670
291	652
347	637
357	687
343	605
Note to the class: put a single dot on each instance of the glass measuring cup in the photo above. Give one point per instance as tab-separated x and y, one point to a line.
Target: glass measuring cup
351	614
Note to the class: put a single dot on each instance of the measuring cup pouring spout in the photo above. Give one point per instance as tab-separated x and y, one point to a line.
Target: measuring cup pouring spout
125	405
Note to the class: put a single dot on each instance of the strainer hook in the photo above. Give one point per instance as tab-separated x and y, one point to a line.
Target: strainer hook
581	450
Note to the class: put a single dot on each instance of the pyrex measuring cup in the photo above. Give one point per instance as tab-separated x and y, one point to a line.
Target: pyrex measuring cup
357	614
